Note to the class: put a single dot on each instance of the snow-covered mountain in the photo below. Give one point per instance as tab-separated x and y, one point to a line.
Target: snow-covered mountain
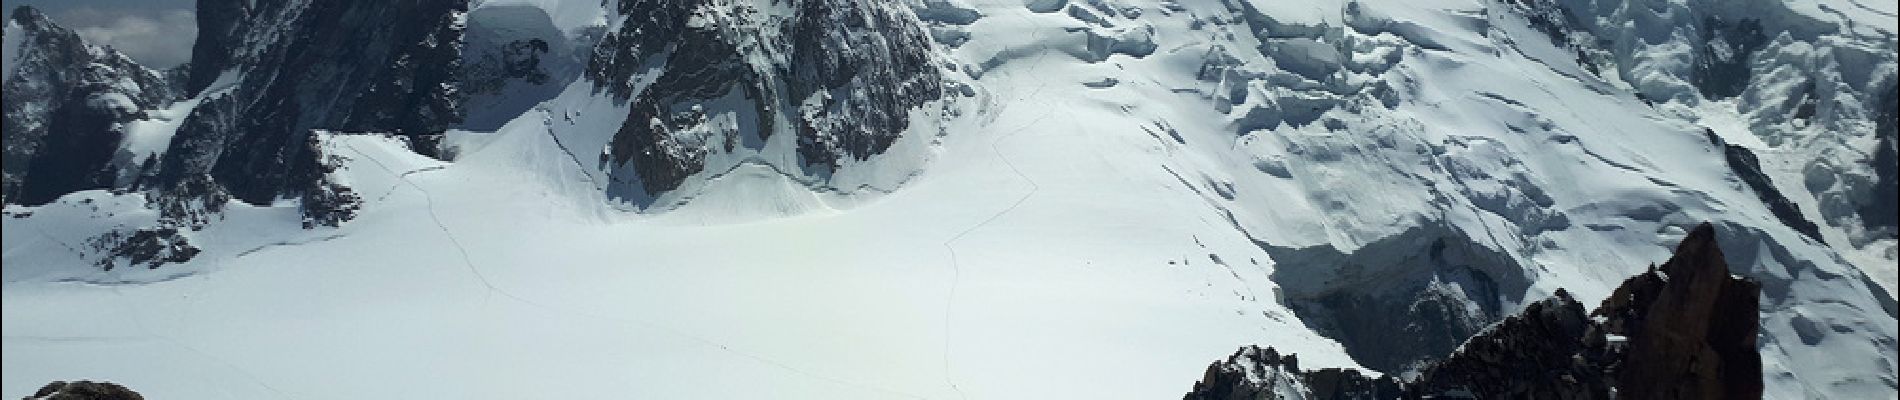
927	198
70	112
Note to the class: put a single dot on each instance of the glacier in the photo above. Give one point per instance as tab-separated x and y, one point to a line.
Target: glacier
1103	196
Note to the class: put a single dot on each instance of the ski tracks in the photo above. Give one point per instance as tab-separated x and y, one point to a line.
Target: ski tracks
491	289
949	245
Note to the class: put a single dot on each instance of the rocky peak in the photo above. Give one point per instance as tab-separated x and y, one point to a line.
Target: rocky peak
64	111
1542	352
1251	373
264	76
297	66
1685	330
32	19
1691	327
842	76
1256	373
55	54
219	24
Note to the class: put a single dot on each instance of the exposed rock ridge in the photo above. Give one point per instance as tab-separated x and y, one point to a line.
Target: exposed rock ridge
1746	166
1685	330
303	65
1543	352
1691	326
705	77
84	390
65	110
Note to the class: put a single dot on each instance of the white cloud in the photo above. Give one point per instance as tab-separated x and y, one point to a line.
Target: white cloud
157	39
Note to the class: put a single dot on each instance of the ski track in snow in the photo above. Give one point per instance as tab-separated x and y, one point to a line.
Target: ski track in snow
146	334
139	321
491	289
405	175
268	246
61	243
547	125
956	269
1864	7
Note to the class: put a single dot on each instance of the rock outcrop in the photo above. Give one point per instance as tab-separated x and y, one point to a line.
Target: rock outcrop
1746	166
1252	373
841	76
1542	352
1691	327
1685	330
1256	373
84	390
149	247
1879	210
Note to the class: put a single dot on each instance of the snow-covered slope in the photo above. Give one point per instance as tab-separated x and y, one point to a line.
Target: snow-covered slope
1807	86
1106	195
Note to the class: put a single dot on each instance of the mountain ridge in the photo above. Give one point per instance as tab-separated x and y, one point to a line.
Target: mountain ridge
1140	184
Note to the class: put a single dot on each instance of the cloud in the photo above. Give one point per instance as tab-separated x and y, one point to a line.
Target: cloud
158	39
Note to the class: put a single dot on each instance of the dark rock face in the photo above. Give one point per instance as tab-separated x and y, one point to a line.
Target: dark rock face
1721	64
219	24
1879	211
62	113
1691	327
387	66
1686	330
195	194
265	75
84	390
151	248
329	203
291	66
513	59
1349	384
1543	352
843	74
77	152
1742	161
1403	301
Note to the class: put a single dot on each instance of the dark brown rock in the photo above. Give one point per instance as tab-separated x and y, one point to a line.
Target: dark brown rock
1539	353
84	390
1691	327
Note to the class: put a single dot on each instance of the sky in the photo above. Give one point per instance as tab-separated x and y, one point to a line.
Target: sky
157	33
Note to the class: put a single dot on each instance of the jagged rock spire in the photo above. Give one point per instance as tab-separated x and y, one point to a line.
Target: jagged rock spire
1691	326
1686	330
